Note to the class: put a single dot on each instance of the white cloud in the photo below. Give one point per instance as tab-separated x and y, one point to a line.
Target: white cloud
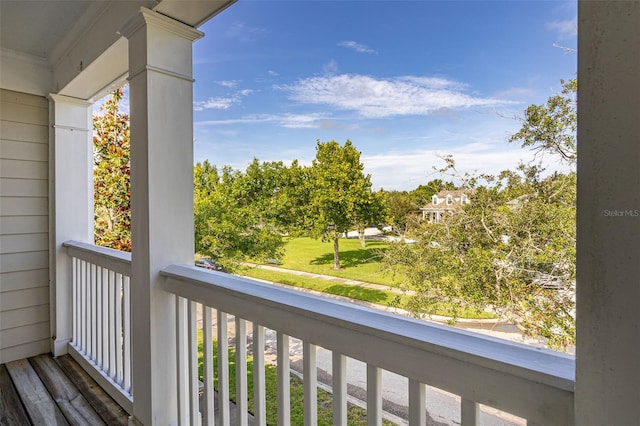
222	102
405	170
376	98
272	73
229	83
242	32
330	68
291	121
566	29
356	46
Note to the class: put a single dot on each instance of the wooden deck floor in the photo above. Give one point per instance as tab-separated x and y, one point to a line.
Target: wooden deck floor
46	391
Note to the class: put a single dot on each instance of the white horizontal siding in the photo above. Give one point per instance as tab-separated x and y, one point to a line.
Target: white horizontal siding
18	299
8	354
13	262
23	132
24	187
20	150
23	169
25	334
10	225
25	316
24	206
24	229
22	280
21	243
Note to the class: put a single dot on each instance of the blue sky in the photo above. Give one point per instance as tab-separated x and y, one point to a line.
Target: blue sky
405	81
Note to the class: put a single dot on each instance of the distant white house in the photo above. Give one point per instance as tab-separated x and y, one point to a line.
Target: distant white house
444	202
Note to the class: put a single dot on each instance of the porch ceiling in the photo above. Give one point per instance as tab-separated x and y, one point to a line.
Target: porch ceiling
68	36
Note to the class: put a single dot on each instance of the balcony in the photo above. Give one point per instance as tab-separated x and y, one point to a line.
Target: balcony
532	383
135	323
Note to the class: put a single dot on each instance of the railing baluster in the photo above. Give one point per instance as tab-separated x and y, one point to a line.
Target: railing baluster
242	407
84	302
93	306
113	329
104	285
182	361
470	413
119	330
259	384
126	333
192	330
310	374
339	367
417	409
223	369
98	355
374	396
207	367
284	380
75	288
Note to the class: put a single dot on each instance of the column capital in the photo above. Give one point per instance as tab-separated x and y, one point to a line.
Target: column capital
151	18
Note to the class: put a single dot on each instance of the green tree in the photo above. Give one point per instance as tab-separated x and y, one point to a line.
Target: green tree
369	209
512	248
111	175
401	211
339	193
551	128
234	217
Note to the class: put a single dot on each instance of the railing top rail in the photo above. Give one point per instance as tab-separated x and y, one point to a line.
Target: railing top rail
115	260
438	355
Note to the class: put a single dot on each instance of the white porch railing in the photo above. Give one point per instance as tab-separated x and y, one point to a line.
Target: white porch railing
528	382
101	317
531	383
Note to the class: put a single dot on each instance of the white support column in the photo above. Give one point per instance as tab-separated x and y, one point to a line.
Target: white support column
70	204
161	98
608	247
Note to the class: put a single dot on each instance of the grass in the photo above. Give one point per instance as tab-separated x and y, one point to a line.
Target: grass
356	416
380	297
355	292
358	263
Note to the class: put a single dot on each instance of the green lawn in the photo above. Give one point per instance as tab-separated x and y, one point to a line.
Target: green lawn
381	297
358	263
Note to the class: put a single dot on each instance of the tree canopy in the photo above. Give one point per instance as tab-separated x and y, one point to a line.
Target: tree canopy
111	175
341	197
236	215
512	248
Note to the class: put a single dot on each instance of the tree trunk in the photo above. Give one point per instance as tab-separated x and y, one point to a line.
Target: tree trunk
336	255
363	242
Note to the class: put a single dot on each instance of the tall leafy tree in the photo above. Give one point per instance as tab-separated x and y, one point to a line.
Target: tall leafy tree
340	193
234	216
511	249
111	174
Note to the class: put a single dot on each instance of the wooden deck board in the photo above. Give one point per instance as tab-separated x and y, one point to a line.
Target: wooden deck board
11	409
38	403
47	391
73	405
108	410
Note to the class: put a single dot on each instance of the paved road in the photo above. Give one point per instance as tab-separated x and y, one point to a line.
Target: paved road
443	408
